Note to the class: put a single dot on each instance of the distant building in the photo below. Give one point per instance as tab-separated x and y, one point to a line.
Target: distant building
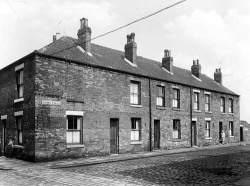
73	98
244	131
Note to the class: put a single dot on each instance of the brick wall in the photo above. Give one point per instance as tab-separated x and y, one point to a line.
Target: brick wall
8	93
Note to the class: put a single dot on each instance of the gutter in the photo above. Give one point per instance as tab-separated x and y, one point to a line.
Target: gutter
150	117
191	113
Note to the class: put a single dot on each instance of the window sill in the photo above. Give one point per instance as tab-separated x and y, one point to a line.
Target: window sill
160	108
223	113
197	110
75	146
231	113
18	100
176	109
176	140
138	106
208	112
208	138
231	136
17	147
136	142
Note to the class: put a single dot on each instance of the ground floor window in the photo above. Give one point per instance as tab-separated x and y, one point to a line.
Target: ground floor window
19	124
135	129
231	128
176	129
207	129
74	129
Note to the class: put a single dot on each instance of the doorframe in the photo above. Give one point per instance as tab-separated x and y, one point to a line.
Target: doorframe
241	133
159	125
194	121
3	122
117	132
220	130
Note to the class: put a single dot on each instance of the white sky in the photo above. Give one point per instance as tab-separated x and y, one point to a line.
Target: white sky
211	30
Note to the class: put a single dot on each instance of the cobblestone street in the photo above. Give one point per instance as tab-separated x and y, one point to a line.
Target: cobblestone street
220	166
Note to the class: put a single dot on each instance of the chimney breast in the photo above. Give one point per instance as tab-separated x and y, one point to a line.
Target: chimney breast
131	48
196	68
167	61
84	35
218	76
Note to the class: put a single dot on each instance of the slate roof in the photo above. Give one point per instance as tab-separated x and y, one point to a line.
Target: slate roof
114	59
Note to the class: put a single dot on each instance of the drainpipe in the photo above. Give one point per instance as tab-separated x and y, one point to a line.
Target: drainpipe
191	113
150	117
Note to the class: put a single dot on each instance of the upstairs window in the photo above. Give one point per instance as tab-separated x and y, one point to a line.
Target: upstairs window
231	105
19	125
222	104
160	99
74	129
176	129
231	128
135	129
208	129
19	79
196	101
207	102
176	98
135	93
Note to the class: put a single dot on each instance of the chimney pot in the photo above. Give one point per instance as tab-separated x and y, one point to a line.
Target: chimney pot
131	48
84	35
196	68
218	76
167	61
54	38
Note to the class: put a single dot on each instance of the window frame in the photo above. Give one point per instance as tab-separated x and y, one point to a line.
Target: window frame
19	83
74	130
160	95
222	105
133	94
19	129
208	129
231	107
231	128
177	127
208	104
176	100
196	102
133	130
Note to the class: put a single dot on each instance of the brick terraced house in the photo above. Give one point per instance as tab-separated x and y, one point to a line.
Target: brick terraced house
73	98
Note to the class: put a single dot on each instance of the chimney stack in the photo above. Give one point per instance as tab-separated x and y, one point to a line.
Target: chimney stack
196	68
218	76
54	38
84	35
167	61
57	35
131	48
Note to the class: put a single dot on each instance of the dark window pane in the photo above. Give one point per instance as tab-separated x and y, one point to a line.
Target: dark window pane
70	122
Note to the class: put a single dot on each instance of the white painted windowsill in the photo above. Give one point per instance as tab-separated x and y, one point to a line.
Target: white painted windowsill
208	112
208	138
138	106
17	147
197	111
231	136
136	142
223	113
75	146
18	100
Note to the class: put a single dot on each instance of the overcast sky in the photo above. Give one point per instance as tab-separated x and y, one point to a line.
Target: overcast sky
209	30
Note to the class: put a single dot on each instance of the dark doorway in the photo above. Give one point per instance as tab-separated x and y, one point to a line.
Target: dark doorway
220	130
241	134
157	134
114	125
4	136
194	134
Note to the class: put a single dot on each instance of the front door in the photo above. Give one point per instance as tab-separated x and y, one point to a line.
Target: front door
114	123
241	134
194	134
4	136
157	134
220	130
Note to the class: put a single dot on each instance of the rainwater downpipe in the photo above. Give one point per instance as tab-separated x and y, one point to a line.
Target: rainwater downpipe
150	117
191	113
